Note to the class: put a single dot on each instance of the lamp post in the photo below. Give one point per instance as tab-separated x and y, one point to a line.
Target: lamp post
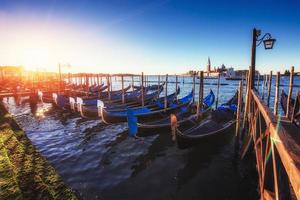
256	41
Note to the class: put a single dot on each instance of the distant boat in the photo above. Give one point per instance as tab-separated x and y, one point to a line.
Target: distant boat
237	75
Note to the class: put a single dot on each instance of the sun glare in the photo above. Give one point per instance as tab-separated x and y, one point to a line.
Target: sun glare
36	58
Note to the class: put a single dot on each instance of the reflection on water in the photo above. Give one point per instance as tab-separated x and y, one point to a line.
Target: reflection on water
101	162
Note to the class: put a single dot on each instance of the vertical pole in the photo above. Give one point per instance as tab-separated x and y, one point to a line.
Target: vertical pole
60	83
295	106
288	109
276	93
2	74
123	94
218	89
263	87
247	97
132	82
239	109
158	86
253	55
194	88
98	83
108	87
176	86
100	78
269	88
110	82
200	95
258	80
166	92
142	86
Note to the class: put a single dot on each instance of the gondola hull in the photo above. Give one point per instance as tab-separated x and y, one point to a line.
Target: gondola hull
144	114
184	141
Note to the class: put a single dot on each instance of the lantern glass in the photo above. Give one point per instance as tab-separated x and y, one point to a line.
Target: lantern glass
269	43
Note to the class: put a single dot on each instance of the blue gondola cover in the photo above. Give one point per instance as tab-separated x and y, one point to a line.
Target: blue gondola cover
132	123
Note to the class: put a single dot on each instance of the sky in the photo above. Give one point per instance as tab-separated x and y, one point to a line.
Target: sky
154	37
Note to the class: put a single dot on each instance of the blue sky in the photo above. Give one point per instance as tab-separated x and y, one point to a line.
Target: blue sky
159	36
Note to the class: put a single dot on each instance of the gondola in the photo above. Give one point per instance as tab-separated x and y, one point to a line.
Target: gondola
215	125
88	108
151	87
91	111
66	100
184	115
294	110
145	113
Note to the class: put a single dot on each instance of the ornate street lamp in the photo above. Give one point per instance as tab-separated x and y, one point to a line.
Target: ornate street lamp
256	41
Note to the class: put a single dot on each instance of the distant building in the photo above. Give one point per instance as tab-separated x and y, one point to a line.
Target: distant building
11	71
211	73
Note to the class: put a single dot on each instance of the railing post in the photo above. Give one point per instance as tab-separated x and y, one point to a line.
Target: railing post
288	110
276	93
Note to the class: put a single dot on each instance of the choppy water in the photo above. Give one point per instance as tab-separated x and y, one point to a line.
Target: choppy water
100	162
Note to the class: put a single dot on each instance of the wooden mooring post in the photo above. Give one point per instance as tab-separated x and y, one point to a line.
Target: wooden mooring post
276	93
239	109
288	109
200	94
142	89
269	88
123	92
166	93
132	82
158	86
218	90
176	87
108	87
194	88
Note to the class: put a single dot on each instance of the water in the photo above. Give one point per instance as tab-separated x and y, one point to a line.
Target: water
102	162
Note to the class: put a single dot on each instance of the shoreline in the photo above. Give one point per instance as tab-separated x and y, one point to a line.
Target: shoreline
25	173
